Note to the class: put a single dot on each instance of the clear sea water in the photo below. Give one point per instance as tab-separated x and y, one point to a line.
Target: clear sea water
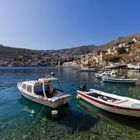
21	119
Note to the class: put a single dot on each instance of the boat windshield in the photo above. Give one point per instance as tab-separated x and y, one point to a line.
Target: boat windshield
56	85
39	90
50	88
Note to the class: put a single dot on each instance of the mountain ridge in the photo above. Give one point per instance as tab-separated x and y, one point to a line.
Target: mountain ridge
25	56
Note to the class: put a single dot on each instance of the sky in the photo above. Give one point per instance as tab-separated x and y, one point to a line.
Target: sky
57	24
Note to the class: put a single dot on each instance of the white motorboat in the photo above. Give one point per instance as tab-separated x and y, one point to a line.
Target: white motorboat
122	80
45	91
100	74
111	102
116	65
133	67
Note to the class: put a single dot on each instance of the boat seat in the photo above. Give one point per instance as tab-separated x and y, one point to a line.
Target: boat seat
109	100
120	101
92	94
104	98
136	105
39	93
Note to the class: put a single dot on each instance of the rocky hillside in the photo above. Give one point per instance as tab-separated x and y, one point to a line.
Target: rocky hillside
25	57
77	50
127	48
9	52
133	56
10	56
119	40
15	52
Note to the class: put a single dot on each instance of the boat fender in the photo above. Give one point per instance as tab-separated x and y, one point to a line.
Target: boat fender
78	98
54	113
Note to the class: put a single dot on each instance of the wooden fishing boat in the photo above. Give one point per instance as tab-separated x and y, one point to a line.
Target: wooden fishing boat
111	102
46	91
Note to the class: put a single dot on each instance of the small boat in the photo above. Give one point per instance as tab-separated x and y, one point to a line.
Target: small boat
111	102
100	74
46	91
133	67
86	69
116	66
121	80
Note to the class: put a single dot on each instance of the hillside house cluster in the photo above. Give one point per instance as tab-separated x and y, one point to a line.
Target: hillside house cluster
98	58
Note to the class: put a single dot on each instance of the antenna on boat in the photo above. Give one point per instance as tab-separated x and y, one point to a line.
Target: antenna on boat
53	75
60	86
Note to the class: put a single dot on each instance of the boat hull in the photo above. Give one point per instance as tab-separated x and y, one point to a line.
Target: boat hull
99	76
109	108
122	81
54	104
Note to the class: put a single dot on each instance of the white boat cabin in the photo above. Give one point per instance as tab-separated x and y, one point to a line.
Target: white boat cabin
45	87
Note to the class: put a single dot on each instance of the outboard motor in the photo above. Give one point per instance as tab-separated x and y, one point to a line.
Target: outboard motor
83	88
52	74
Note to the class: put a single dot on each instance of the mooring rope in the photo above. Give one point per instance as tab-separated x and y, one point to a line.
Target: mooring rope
31	126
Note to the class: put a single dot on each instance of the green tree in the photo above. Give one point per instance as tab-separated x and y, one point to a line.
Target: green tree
121	50
112	58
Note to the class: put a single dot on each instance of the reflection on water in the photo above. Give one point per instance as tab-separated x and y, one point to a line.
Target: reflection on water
134	74
125	120
23	119
76	120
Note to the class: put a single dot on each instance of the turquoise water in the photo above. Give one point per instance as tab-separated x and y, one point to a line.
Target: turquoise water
23	119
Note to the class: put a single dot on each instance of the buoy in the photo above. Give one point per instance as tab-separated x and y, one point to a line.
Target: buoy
54	113
78	98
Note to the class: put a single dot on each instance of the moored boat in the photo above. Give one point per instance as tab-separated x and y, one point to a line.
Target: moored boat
111	102
133	67
99	74
121	80
46	91
111	73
